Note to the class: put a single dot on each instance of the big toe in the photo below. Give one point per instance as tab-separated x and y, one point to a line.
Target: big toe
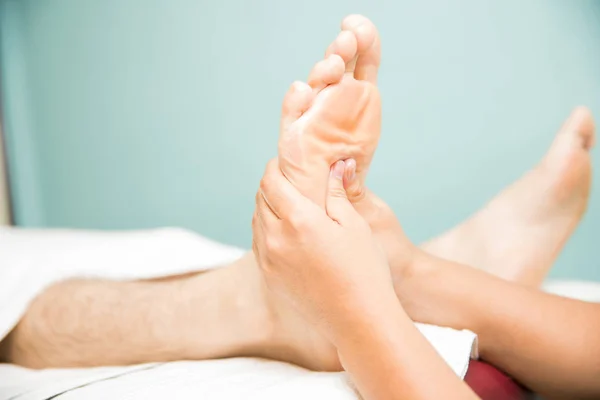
578	129
363	62
586	129
364	30
568	159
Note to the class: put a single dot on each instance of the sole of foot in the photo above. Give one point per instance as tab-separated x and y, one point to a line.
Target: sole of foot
335	115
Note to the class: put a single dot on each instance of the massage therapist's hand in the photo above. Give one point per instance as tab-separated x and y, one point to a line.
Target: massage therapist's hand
325	262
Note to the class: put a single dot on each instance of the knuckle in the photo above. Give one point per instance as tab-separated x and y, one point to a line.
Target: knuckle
268	180
273	245
337	192
356	193
265	185
306	226
299	218
257	196
255	250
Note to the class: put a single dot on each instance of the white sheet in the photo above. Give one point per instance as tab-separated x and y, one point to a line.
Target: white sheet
30	260
580	290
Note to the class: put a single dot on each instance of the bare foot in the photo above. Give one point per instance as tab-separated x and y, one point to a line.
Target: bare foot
519	234
336	115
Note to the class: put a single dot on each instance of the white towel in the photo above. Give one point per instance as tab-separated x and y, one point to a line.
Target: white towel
31	260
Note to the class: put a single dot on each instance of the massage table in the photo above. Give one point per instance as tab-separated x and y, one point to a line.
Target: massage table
157	253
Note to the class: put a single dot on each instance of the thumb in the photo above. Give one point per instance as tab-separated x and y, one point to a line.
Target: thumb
338	206
355	191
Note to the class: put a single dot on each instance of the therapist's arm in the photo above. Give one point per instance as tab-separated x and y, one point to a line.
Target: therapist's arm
549	343
388	358
327	264
94	322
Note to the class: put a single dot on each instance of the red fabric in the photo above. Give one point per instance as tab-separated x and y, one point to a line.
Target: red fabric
491	384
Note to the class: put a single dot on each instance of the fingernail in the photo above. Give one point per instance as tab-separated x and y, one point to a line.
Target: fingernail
338	170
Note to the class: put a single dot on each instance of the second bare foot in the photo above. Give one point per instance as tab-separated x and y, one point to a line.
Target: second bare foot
519	234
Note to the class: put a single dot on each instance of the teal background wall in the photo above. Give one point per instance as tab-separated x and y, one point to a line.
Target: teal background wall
138	113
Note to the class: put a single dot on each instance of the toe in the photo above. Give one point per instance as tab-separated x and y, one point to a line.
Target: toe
344	45
349	173
580	126
363	29
587	130
367	60
326	72
296	101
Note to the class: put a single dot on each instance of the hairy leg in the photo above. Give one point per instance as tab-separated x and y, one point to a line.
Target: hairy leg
81	323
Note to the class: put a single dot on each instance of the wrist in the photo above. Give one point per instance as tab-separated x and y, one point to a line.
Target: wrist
363	322
372	337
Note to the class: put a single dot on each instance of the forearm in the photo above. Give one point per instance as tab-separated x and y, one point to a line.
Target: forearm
93	322
388	358
548	343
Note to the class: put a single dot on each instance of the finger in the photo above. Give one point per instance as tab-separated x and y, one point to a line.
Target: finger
266	216
257	235
259	242
354	187
281	196
337	204
258	238
349	172
267	236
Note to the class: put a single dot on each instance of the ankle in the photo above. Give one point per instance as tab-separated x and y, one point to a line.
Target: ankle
418	289
408	276
374	210
258	316
238	303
